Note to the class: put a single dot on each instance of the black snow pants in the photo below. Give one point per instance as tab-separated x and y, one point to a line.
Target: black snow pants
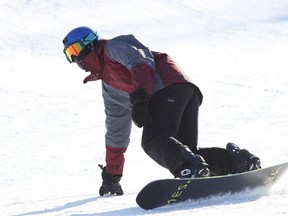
174	111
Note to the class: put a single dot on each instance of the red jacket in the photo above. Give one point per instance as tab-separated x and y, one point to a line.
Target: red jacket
124	64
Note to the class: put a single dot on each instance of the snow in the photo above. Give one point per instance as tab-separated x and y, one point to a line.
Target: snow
52	126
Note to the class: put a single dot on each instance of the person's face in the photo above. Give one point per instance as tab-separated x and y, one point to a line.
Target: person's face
90	63
81	64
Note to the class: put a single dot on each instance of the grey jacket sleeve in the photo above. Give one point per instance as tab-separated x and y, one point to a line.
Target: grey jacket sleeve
118	117
128	51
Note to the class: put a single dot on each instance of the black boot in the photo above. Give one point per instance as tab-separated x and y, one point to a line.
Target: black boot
110	183
194	167
250	161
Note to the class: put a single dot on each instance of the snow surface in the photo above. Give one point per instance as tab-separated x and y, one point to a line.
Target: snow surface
52	126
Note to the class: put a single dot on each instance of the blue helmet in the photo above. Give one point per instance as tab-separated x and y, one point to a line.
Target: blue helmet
77	40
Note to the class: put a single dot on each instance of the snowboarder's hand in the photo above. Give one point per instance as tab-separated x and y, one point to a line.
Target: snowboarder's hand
111	183
114	189
140	111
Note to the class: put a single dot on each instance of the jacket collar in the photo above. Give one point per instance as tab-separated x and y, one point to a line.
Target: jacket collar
94	62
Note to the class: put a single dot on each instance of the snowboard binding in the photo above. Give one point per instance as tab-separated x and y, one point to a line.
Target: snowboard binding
250	161
194	167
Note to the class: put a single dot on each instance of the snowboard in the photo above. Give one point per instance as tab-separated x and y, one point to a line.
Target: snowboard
169	191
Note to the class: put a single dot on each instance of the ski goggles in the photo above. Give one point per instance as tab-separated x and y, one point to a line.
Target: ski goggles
75	49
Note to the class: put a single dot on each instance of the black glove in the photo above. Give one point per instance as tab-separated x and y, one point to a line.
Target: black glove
110	184
140	112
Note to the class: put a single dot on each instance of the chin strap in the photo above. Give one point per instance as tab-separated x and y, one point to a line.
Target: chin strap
91	77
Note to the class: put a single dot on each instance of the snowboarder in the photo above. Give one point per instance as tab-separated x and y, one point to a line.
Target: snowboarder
149	88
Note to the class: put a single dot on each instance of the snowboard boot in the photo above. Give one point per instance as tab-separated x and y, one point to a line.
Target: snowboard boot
194	168
110	184
250	161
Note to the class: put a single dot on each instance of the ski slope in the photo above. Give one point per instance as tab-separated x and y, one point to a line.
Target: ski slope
52	125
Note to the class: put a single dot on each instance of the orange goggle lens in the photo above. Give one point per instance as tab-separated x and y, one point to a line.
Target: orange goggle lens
73	49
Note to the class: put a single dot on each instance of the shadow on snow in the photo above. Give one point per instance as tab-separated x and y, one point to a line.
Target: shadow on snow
220	200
